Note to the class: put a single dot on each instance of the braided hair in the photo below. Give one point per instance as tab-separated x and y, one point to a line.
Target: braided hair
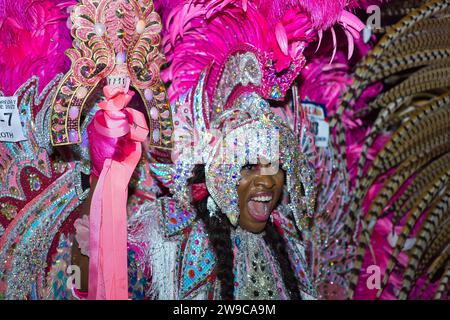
218	229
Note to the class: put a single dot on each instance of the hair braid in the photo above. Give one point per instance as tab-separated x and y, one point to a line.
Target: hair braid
278	246
219	234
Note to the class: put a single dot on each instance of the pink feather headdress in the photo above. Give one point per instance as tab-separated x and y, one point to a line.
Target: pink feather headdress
203	34
33	39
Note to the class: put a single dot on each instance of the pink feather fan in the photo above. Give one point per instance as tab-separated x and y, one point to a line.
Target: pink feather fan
34	38
200	34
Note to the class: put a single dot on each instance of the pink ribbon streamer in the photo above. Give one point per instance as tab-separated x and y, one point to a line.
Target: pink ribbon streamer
108	269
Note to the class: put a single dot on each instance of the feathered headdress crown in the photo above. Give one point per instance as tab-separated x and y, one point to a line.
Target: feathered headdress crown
236	45
246	46
221	53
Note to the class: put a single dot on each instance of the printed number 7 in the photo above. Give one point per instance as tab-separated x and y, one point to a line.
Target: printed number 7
9	119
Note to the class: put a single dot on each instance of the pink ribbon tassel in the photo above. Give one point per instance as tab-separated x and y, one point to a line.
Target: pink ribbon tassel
108	270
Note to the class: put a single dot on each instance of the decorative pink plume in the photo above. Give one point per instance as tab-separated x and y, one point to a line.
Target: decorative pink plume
323	13
325	83
34	38
281	36
289	31
202	33
114	26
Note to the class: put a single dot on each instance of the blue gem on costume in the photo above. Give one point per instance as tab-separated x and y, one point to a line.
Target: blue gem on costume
275	93
174	219
196	267
237	241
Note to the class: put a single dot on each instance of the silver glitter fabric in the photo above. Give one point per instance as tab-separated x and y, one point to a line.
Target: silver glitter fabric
175	249
34	204
257	274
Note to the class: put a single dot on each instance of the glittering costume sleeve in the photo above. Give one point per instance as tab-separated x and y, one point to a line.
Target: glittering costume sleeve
157	253
117	41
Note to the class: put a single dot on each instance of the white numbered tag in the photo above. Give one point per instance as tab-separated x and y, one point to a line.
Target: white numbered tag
10	125
319	126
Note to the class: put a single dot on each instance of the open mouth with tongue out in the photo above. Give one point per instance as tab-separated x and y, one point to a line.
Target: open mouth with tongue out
260	206
258	195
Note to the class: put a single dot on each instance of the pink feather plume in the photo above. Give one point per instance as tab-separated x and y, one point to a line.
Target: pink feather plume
199	33
34	38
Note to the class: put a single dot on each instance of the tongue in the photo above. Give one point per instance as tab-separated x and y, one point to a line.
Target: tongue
259	210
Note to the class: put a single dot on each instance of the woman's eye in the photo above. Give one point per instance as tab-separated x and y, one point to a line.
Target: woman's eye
248	167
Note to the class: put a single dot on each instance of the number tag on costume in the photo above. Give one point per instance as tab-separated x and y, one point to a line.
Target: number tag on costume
10	125
319	125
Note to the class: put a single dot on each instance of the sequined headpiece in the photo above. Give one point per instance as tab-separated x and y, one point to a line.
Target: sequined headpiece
244	63
249	131
108	33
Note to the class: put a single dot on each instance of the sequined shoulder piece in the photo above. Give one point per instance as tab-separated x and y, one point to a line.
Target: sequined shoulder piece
287	225
198	262
174	218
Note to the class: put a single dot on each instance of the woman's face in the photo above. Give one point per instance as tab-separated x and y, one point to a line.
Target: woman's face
259	193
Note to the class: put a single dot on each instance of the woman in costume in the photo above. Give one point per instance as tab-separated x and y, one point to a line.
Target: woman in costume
390	163
229	230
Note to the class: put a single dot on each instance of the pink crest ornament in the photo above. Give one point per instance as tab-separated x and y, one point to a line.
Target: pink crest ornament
108	33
